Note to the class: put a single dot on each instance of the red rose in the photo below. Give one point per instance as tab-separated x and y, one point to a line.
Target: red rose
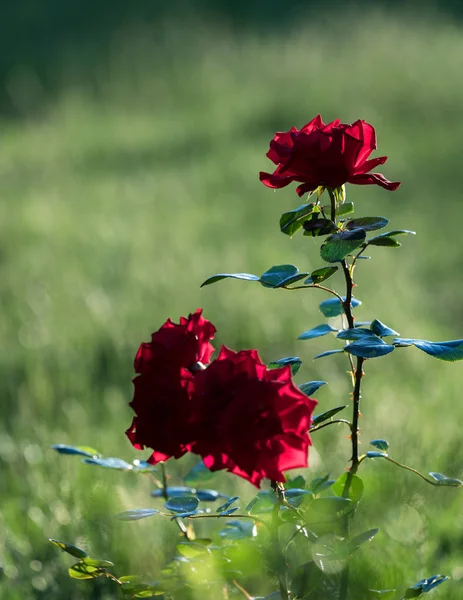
162	404
174	346
325	155
164	387
254	421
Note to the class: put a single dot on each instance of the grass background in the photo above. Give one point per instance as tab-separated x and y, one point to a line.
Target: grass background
135	182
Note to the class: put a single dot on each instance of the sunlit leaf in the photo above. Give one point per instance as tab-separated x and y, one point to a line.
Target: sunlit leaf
339	245
78	450
355	487
82	571
96	562
320	275
220	276
358	540
192	549
136	514
291	221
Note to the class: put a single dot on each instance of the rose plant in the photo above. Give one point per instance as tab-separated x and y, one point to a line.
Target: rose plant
250	419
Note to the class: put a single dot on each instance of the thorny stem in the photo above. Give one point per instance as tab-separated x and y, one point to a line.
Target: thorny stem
165	495
357	379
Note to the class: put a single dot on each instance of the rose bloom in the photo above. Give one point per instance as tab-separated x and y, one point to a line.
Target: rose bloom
177	345
325	155
254	421
164	387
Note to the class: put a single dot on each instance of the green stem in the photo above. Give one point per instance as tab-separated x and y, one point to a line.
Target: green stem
333	205
407	468
357	379
276	522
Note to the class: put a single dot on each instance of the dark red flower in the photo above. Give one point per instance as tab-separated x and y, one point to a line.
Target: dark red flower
325	155
163	421
253	421
174	346
164	387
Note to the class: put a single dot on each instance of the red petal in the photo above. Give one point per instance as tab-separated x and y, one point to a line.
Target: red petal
374	178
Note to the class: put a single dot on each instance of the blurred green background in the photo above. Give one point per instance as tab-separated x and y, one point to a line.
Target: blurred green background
131	140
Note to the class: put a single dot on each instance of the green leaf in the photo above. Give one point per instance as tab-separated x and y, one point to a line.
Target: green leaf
320	275
281	275
446	481
310	387
316	332
82	571
198	474
330	505
339	245
367	223
317	227
293	361
369	347
318	484
69	548
358	540
220	276
358	333
333	306
355	490
327	353
109	463
341	210
136	514
136	587
327	415
393	234
450	351
424	586
384	241
191	549
184	504
291	221
96	562
382	445
381	330
176	491
79	450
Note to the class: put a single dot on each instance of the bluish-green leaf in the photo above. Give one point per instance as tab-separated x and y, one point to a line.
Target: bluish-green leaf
141	466
238	530
381	445
226	506
381	330
220	276
310	387
339	245
210	495
291	221
136	514
78	450
280	275
184	504
69	548
178	491
320	275
198	474
424	586
446	481
393	234
293	361
369	347
358	333
318	484
450	351
316	332
375	454
333	306
327	415
327	353
109	463
367	223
